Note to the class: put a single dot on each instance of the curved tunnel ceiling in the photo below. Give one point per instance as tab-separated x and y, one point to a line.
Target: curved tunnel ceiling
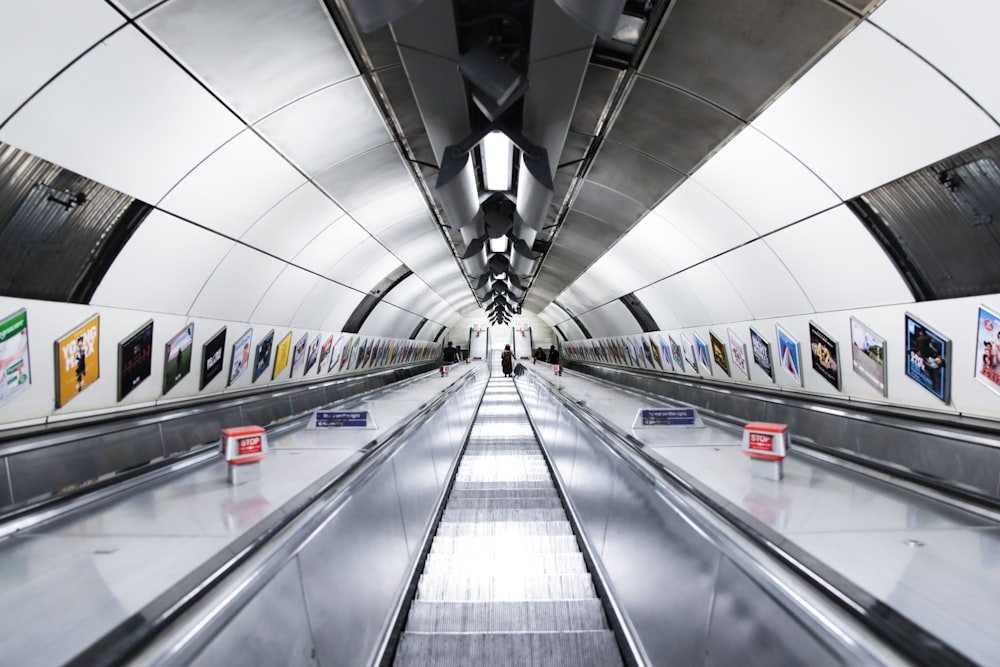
701	158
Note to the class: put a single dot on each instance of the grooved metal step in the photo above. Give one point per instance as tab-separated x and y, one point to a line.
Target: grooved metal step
515	587
487	545
544	616
465	494
527	649
492	515
530	563
507	529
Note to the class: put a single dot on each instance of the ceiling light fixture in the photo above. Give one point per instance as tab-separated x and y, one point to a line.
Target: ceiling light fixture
498	245
498	160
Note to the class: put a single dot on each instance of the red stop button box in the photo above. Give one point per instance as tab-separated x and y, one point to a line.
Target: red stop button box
244	444
764	440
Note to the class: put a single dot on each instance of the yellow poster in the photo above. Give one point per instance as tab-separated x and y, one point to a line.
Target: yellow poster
78	363
281	355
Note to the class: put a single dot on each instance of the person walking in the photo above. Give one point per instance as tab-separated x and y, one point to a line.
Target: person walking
507	361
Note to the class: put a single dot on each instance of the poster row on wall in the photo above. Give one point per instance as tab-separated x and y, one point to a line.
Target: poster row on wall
78	366
928	354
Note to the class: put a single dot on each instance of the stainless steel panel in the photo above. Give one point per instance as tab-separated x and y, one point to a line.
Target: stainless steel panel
416	486
273	629
180	435
6	494
616	210
265	412
352	570
595	93
633	174
744	616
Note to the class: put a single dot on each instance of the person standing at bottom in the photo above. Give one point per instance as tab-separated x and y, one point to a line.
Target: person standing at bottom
507	361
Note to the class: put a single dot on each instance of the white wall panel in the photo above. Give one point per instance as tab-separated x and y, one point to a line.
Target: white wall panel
424	252
139	123
69	27
870	112
271	54
569	327
837	262
364	266
283	298
960	41
135	7
673	304
412	294
717	294
234	186
331	245
323	306
675	249
388	320
395	199
237	285
704	219
645	263
763	183
614	319
763	282
294	222
163	266
327	127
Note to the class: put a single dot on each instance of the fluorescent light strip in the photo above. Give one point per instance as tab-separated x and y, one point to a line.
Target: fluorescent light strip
498	161
498	245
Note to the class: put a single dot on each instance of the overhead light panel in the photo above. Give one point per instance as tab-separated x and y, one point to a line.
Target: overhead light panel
498	245
498	160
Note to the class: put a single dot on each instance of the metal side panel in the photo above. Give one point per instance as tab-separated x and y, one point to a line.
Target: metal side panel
265	412
180	435
273	629
351	572
417	487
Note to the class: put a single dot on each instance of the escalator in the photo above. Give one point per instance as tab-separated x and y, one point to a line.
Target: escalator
504	581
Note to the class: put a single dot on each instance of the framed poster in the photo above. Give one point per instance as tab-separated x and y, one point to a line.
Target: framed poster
738	350
987	364
78	360
281	354
702	355
788	354
135	359
177	357
338	349
666	355
719	355
311	355
761	353
212	354
868	355
676	354
345	356
299	354
927	358
324	352
262	355
654	349
823	353
15	369
240	361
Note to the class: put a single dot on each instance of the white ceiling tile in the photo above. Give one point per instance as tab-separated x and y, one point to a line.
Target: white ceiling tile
674	296
704	219
257	55
139	123
838	264
763	183
960	41
659	308
234	186
284	296
870	112
327	127
412	294
369	177
237	285
406	230
324	304
394	200
388	320
613	319
135	7
294	222
716	293
368	259
766	286
42	36
331	245
163	266
673	247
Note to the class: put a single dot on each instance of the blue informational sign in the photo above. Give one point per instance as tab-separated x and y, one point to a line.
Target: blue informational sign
341	419
669	417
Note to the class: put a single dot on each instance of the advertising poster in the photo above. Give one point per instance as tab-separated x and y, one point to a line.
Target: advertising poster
262	355
927	355
240	361
345	356
177	357
761	353
823	353
324	352
676	355
719	353
299	354
987	363
135	359
338	350
701	354
738	349
281	354
666	355
868	355
788	354
78	362
212	354
14	366
312	355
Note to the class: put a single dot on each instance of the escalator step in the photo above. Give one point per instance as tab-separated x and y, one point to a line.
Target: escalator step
486	588
505	529
545	616
508	545
504	486
522	649
503	515
505	564
469	494
546	502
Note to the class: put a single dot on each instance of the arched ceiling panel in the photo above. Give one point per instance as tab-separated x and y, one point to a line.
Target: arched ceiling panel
763	282
388	320
676	251
327	127
163	266
273	52
704	219
70	26
237	285
292	224
337	241
139	123
327	307
658	300
855	116
610	320
718	297
412	294
285	295
838	263
135	7
633	173
364	266
961	42
234	186
765	185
